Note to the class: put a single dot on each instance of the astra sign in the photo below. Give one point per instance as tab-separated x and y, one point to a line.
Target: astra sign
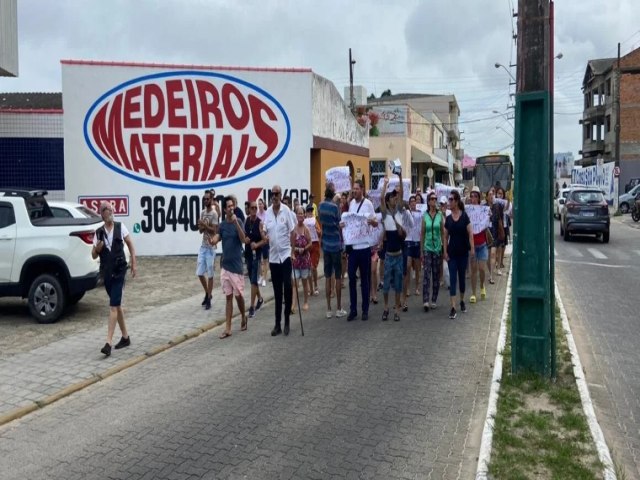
187	129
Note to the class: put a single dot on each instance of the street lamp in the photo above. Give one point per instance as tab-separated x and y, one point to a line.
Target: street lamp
506	116
505	131
498	65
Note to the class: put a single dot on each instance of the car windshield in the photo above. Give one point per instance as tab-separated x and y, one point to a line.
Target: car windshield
88	212
586	196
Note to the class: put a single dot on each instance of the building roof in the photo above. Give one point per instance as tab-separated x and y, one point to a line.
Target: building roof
31	101
598	66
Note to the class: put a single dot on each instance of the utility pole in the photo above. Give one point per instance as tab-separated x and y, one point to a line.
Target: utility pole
533	309
616	179
352	100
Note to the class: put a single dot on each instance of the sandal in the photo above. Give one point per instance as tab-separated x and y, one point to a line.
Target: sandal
405	308
385	315
243	324
374	300
396	317
417	293
224	335
491	281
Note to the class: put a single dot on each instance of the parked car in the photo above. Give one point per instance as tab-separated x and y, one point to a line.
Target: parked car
585	211
626	199
43	258
77	210
631	183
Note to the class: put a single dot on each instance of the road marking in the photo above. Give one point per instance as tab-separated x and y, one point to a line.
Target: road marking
597	253
593	264
574	252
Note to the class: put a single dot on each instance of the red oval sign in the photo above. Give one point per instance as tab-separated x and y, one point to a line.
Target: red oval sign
187	129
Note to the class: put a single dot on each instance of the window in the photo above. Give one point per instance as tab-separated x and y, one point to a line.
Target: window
377	170
587	197
7	216
60	212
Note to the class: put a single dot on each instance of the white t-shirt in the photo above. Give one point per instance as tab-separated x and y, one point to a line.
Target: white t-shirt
366	210
279	228
108	241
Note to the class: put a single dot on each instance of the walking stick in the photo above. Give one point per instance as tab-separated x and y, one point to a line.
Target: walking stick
295	283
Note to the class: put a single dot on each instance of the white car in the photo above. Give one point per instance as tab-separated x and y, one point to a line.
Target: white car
77	210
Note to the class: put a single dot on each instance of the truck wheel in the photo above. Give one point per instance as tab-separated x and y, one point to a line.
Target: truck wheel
46	299
76	298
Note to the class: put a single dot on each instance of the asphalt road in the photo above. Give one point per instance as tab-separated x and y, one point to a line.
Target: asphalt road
388	400
600	287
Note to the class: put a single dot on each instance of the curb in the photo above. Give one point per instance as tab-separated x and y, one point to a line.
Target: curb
82	384
585	397
487	432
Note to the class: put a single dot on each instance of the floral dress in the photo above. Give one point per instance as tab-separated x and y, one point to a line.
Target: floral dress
302	261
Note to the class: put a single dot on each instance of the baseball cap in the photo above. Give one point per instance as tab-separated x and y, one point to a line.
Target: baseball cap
443	199
475	189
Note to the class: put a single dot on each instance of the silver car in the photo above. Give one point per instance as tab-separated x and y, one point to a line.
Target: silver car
585	212
626	200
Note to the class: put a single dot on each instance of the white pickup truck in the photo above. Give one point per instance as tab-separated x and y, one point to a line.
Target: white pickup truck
45	259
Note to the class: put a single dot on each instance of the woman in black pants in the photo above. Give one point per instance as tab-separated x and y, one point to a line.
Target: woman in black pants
458	239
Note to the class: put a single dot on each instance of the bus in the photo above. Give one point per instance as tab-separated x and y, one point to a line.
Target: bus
493	170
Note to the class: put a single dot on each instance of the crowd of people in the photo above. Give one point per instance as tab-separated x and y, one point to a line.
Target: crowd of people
427	247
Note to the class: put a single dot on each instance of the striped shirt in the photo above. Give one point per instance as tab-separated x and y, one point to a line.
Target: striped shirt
329	217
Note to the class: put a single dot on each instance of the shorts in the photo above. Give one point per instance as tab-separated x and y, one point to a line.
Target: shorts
265	252
253	268
482	253
232	283
412	249
301	273
206	261
332	264
315	254
392	273
114	287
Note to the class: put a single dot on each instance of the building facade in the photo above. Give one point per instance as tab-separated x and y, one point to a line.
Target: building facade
611	91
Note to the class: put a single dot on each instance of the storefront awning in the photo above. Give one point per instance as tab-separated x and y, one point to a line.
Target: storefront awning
419	155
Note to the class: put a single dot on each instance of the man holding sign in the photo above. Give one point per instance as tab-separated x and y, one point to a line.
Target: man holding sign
359	258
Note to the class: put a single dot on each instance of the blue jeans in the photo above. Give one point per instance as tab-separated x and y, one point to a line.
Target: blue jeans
359	260
457	272
392	273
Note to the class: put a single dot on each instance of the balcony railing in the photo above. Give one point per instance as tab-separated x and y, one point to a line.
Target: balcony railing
593	146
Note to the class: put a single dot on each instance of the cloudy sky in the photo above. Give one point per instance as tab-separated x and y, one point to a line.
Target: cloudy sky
404	45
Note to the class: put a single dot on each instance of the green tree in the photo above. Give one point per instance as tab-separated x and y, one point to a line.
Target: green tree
386	93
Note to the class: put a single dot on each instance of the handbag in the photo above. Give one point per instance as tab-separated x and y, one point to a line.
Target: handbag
487	233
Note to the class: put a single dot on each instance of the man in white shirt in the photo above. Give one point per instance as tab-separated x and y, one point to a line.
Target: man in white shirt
279	224
359	257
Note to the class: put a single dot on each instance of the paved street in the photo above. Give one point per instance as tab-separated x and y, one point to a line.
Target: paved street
599	288
347	400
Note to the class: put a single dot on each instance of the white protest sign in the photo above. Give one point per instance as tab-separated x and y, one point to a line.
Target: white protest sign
374	196
423	207
340	178
445	190
393	183
479	216
356	228
413	235
375	233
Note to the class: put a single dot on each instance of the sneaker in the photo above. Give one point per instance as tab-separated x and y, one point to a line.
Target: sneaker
252	312
365	317
204	302
425	305
207	304
340	313
259	304
276	331
483	293
124	342
433	305
472	299
463	307
452	313
352	316
106	349
330	314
